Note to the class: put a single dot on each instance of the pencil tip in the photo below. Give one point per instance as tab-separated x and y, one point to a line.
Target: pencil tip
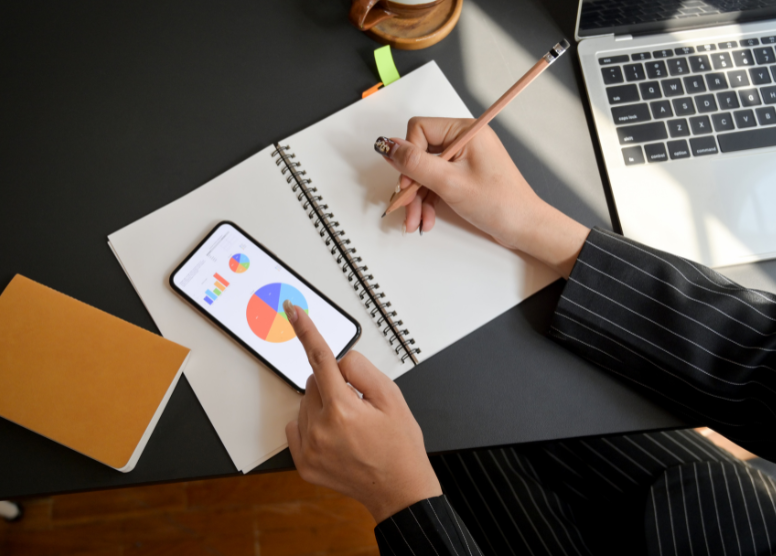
383	216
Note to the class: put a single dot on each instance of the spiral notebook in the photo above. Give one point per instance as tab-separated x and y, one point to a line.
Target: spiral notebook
315	200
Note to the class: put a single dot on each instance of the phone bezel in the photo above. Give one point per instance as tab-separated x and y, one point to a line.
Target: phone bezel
234	336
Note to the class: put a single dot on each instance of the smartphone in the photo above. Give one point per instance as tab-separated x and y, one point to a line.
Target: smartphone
240	286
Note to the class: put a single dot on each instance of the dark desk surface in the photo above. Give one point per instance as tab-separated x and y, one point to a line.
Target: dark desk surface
112	110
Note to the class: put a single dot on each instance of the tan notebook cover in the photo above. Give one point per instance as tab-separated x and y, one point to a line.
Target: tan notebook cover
79	376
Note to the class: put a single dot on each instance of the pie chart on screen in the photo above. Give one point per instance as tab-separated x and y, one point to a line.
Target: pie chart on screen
239	263
265	313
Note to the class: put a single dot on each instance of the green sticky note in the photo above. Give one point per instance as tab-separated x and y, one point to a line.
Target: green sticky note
385	65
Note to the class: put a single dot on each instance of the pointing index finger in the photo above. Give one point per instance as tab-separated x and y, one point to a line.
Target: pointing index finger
327	373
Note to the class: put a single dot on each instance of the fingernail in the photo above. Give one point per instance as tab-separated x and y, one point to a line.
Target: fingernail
404	228
385	146
290	311
420	228
398	188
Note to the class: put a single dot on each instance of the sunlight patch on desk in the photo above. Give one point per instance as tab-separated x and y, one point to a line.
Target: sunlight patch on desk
539	117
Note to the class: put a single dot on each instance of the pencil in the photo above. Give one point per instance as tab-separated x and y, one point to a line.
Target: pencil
454	147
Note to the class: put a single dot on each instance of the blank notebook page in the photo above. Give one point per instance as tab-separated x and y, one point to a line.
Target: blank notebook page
444	284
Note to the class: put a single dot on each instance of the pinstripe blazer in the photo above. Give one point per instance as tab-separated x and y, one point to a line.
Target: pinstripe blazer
703	345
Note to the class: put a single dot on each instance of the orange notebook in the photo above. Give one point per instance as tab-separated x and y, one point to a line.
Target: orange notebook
82	377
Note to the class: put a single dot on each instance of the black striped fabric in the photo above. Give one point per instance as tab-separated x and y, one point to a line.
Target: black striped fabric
588	496
700	343
711	509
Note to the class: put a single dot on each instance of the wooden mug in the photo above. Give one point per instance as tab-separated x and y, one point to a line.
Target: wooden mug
365	14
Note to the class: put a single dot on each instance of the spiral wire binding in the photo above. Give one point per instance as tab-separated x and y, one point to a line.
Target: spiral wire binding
351	264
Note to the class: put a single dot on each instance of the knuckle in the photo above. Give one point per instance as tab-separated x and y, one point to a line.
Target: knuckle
413	159
317	357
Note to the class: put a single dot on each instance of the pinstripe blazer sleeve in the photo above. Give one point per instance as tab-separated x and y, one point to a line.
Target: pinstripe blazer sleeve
703	344
429	527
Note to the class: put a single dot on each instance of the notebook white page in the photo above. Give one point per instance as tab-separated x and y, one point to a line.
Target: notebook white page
442	285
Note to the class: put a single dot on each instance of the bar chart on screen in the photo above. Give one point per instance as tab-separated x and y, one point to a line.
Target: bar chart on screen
215	291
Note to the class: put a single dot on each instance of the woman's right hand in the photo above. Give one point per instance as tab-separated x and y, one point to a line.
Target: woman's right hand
483	185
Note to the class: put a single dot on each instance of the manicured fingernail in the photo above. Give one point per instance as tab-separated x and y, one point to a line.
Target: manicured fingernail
420	228
385	146
398	188
404	228
290	311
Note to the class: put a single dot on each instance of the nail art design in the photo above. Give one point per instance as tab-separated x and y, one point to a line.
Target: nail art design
384	146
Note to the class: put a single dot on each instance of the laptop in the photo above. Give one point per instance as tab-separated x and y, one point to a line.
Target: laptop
683	95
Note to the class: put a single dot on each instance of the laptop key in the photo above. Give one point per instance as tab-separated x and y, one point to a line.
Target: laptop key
661	109
650	90
766	115
744	119
723	121
701	146
678	66
613	60
656	70
612	75
745	140
743	58
728	100
700	125
672	87
630	114
678	128
738	78
749	97
700	63
764	55
721	61
684	50
760	76
633	155
749	42
705	104
716	81
656	152
622	94
641	56
663	53
728	44
684	106
694	84
678	149
634	72
642	133
706	47
769	95
768	40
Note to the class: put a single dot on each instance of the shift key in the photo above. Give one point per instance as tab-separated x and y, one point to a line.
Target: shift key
642	133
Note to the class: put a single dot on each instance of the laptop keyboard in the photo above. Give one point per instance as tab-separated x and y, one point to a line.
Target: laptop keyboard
691	101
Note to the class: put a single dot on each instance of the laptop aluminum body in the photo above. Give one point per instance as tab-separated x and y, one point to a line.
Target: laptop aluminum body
684	104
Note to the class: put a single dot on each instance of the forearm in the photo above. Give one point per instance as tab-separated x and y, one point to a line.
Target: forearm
551	237
701	343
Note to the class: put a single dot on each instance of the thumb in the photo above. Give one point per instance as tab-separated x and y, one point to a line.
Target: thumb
415	163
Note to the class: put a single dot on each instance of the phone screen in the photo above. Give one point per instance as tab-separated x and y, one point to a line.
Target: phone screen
241	287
